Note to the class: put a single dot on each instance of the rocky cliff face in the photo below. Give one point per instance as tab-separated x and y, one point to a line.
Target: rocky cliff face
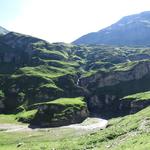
18	47
133	106
135	102
63	111
34	71
19	41
106	89
28	50
58	115
115	77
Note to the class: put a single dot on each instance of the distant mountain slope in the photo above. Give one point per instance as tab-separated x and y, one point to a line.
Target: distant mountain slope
3	31
130	30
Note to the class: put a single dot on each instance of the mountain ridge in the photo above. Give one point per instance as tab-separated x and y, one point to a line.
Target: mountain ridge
3	31
130	30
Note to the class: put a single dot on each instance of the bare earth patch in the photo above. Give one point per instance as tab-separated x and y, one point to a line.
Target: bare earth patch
88	124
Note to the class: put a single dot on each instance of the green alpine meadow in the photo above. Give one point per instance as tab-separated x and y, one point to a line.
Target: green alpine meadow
91	94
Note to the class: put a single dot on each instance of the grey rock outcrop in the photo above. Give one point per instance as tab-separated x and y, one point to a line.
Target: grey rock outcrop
131	106
19	41
106	88
115	77
57	115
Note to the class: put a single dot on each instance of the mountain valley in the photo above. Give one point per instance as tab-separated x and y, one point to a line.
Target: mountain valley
49	86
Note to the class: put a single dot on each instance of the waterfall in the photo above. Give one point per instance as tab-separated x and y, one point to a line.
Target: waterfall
78	81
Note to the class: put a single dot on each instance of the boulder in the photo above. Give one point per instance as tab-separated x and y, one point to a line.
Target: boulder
135	102
60	112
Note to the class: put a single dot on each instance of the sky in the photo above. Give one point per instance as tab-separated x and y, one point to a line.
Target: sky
65	20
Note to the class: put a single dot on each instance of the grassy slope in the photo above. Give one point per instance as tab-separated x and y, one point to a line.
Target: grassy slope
27	116
55	60
13	118
62	111
138	97
36	77
130	132
10	118
40	76
66	101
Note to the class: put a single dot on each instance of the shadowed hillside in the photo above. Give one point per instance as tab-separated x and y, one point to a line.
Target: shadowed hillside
133	30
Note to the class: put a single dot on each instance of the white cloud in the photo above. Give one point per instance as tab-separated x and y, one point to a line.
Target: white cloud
66	20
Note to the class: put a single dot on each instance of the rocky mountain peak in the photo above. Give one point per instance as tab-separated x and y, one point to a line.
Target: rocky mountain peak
17	40
130	30
3	31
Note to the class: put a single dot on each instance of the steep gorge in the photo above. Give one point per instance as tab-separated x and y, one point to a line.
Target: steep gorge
105	89
34	73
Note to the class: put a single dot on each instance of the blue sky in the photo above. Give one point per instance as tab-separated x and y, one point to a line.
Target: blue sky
65	20
9	9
